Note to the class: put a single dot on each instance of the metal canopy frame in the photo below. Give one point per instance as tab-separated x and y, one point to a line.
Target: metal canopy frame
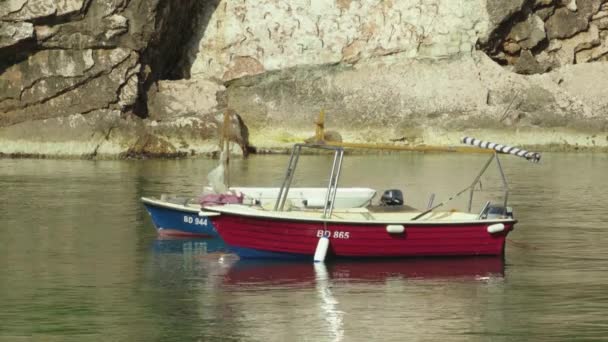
336	168
471	189
334	176
505	184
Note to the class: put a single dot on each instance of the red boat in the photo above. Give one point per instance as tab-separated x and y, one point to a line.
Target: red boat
255	233
390	229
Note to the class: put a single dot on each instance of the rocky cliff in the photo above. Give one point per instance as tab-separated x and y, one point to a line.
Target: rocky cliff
92	78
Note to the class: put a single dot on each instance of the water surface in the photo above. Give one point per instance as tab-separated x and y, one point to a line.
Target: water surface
79	258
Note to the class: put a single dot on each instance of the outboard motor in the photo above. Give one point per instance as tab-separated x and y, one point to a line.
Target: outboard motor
392	197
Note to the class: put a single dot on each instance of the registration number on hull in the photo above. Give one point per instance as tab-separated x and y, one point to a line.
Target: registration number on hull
336	234
195	220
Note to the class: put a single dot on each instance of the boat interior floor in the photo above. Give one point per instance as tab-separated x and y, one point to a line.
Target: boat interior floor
391	209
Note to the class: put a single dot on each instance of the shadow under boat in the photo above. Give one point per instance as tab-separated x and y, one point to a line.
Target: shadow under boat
264	272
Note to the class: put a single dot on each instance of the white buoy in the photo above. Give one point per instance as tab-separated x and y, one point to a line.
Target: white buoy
321	250
496	228
395	229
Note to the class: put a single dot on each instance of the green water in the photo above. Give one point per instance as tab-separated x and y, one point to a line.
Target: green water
79	258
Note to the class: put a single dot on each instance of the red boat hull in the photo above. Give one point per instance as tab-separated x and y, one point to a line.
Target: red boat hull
251	236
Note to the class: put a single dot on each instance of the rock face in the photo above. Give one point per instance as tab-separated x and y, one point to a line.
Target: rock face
251	37
95	78
427	102
74	76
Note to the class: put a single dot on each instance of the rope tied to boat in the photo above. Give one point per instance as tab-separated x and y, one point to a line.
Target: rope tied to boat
531	156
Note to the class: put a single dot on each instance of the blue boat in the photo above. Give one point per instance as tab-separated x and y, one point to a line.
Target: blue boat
177	216
181	216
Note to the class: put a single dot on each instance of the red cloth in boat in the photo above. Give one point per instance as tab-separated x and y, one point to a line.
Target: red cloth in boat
220	199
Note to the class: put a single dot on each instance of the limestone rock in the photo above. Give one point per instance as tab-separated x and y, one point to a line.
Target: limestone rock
545	12
253	36
11	6
73	135
602	24
565	24
102	34
148	144
13	33
570	47
243	66
74	46
527	64
571	5
433	104
511	47
73	73
500	10
588	8
61	65
129	88
528	33
108	133
116	25
172	99
28	10
576	81
594	53
542	3
44	32
370	95
535	98
57	82
600	15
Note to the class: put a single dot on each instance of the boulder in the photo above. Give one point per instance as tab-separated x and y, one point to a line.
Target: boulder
565	23
527	64
596	52
528	33
500	11
568	48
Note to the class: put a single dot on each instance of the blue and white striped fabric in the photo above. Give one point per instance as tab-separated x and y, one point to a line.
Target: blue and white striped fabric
531	156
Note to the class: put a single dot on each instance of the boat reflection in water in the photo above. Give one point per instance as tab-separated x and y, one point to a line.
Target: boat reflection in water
256	272
333	301
189	260
169	244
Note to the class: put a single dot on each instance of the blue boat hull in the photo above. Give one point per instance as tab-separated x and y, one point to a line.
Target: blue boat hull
175	220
